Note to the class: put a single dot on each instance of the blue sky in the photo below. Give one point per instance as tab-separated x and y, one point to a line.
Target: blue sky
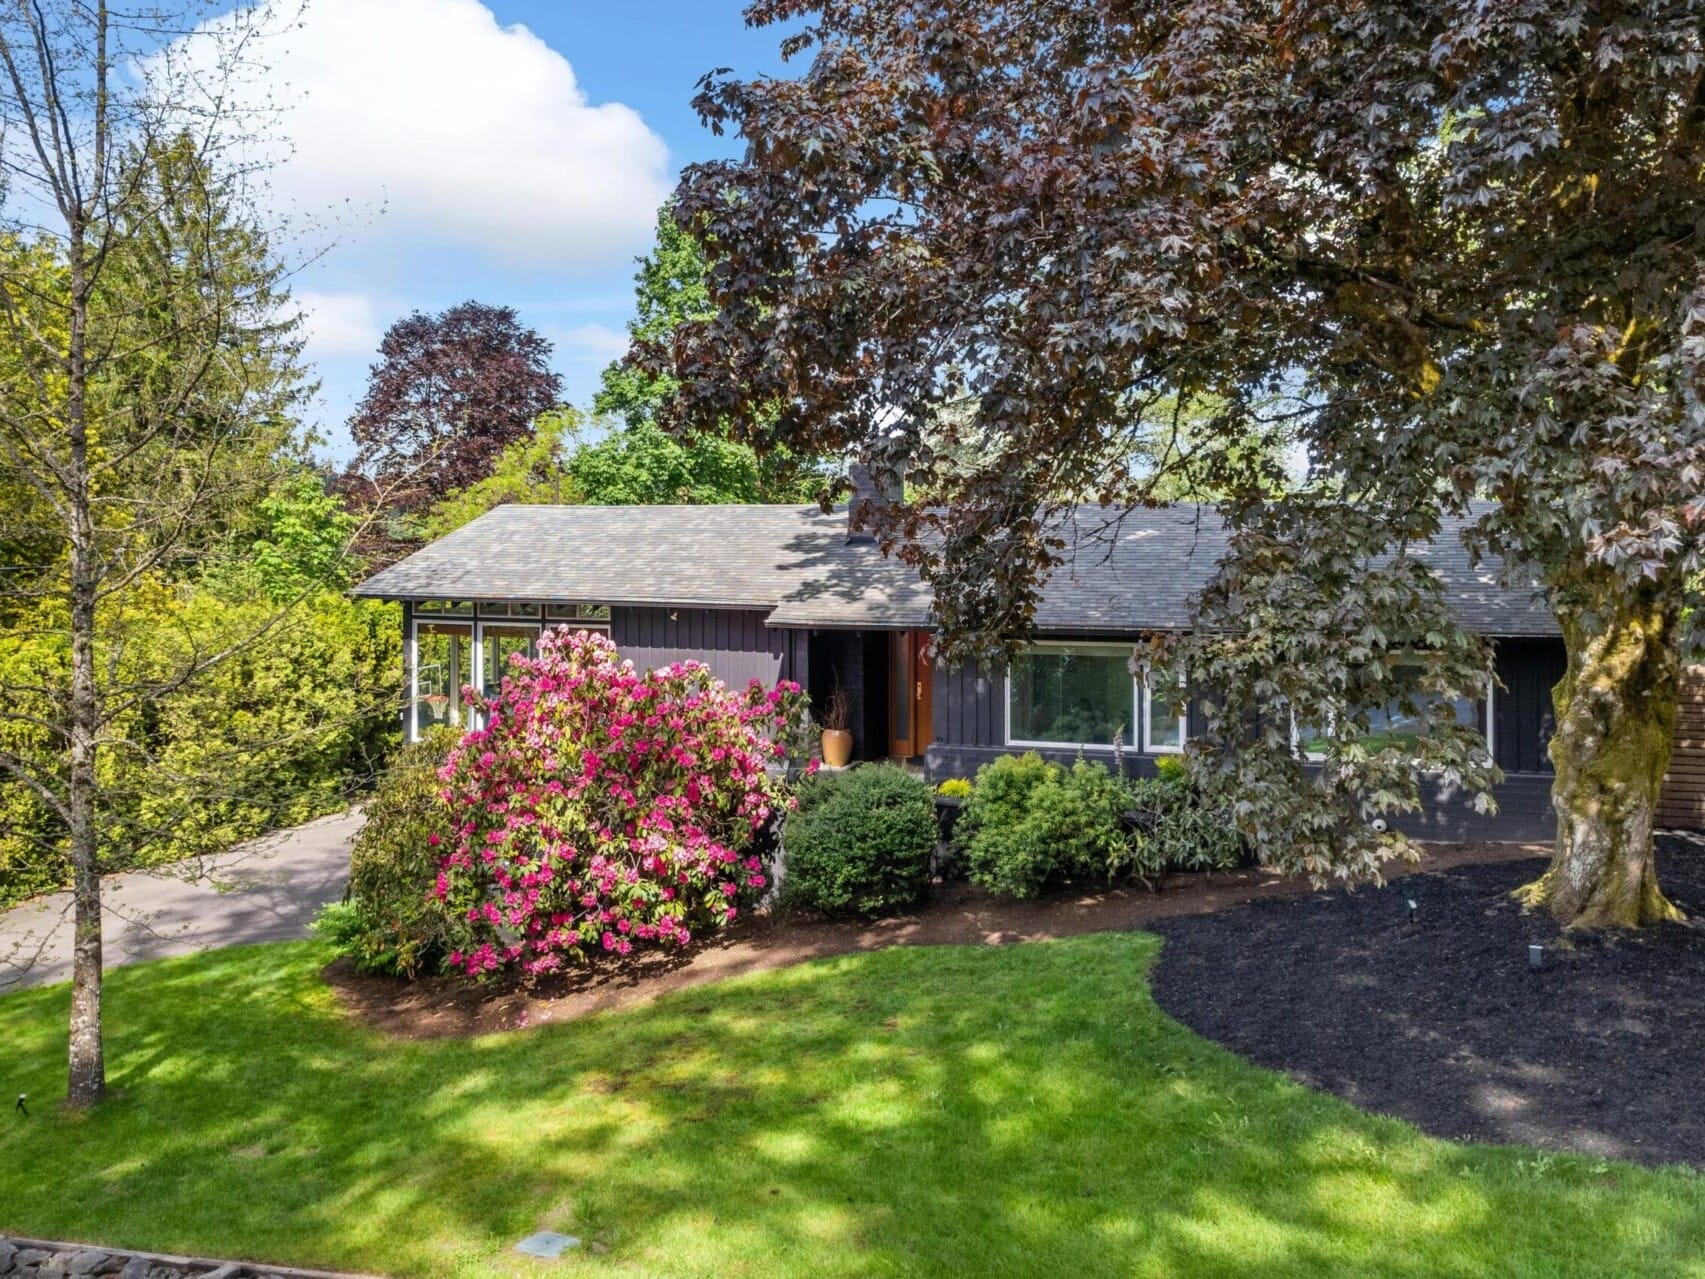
511	151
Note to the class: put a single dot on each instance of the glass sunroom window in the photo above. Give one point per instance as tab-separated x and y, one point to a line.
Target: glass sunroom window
443	664
1070	694
501	642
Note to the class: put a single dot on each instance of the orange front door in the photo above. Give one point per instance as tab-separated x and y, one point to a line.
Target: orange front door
911	693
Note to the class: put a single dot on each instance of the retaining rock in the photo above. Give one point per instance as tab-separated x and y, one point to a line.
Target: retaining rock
48	1259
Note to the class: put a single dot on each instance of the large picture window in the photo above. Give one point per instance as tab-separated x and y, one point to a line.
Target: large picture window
1071	695
1397	724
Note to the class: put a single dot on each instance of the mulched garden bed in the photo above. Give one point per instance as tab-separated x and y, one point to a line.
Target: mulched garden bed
956	915
1444	1023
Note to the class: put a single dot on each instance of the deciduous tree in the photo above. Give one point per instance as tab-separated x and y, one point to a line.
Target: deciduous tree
150	366
640	463
447	395
1456	246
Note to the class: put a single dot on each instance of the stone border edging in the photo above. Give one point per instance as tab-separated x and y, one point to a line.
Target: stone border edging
191	1267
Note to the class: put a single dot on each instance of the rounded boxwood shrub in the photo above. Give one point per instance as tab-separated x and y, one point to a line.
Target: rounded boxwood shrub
859	843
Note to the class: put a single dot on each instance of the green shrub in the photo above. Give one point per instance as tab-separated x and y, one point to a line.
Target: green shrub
393	922
286	728
1030	825
1172	768
859	843
1176	829
955	788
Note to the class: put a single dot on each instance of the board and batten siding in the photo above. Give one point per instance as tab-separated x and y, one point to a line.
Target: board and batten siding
734	643
1682	802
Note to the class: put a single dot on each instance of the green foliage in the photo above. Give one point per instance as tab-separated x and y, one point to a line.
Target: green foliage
391	921
860	842
640	463
1030	825
304	540
954	788
283	729
1177	827
532	470
669	290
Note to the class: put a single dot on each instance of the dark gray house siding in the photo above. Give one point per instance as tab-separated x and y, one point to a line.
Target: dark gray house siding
734	643
970	731
1523	717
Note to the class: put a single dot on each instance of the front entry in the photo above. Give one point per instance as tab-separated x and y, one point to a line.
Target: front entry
911	694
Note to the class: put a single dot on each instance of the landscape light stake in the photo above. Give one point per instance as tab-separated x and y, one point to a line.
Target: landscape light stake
23	1109
1536	956
1413	910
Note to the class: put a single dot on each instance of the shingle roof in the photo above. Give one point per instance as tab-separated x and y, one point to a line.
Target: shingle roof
1125	571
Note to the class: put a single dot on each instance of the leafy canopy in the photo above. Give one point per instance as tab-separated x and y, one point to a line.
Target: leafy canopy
1456	248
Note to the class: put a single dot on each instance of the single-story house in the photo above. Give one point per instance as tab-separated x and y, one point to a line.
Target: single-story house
791	592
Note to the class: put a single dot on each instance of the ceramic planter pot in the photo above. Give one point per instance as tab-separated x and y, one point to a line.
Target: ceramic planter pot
837	747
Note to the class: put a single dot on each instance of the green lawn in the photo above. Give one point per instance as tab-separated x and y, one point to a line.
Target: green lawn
1015	1111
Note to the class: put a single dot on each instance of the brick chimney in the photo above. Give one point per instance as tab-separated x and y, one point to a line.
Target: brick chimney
874	490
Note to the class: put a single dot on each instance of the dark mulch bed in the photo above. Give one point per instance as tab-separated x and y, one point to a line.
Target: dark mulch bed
1445	1024
956	915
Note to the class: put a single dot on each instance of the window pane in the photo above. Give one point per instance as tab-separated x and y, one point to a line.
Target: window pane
1394	726
501	643
509	608
1166	703
1078	696
444	653
592	616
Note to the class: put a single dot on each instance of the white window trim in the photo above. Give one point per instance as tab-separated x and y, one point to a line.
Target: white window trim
475	719
476	629
411	655
1149	746
1102	747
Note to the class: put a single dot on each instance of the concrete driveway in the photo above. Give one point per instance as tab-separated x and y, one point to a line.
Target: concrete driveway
265	890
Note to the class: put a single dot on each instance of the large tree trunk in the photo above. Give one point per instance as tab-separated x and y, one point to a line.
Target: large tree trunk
88	1075
1616	709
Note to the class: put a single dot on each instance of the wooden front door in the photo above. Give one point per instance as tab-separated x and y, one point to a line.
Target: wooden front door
911	693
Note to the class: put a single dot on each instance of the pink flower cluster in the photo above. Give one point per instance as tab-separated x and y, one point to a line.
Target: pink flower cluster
603	808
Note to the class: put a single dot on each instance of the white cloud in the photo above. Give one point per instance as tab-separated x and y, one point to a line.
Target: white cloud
337	323
468	133
595	342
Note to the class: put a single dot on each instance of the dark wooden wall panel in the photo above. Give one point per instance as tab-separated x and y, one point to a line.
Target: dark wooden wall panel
1522	715
735	644
1682	803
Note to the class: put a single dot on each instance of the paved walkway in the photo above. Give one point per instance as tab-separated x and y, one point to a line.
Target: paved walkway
266	890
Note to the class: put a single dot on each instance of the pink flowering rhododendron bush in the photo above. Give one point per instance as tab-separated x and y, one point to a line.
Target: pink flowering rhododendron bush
603	809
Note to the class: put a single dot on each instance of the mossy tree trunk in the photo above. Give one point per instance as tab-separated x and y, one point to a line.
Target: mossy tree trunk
1616	711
